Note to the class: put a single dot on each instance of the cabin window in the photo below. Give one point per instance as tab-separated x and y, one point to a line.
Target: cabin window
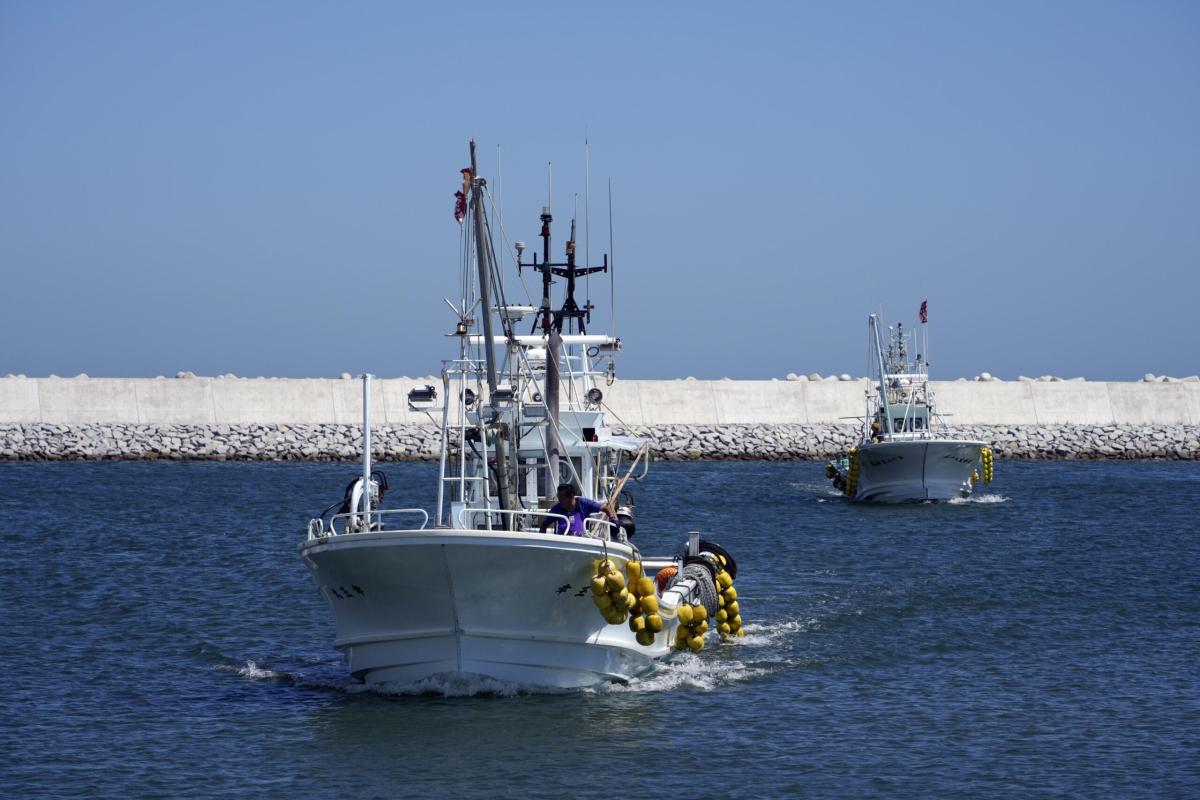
918	423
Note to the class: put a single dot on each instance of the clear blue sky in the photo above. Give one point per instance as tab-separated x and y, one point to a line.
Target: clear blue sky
265	188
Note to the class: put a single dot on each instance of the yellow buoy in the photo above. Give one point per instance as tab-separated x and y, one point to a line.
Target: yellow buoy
614	581
645	586
645	638
699	612
722	615
732	608
649	604
654	622
634	570
685	615
730	594
599	585
696	644
724	629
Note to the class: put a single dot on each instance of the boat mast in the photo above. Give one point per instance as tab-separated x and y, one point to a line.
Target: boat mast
482	258
551	323
570	310
887	411
366	429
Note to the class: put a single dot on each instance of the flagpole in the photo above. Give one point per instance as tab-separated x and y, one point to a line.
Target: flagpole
925	332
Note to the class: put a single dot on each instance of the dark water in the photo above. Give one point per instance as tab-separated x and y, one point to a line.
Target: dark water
161	638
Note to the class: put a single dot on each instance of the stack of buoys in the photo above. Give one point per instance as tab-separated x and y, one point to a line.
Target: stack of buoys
729	618
852	473
644	619
609	592
693	624
987	458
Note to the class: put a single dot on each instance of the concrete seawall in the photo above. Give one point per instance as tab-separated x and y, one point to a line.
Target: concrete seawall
318	419
315	401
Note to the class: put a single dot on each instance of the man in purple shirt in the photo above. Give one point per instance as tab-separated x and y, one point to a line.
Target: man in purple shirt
575	509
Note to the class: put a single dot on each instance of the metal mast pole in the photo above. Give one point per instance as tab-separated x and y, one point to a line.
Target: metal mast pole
366	427
482	259
887	410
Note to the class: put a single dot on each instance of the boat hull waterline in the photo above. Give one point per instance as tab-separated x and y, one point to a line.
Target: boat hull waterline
917	470
514	607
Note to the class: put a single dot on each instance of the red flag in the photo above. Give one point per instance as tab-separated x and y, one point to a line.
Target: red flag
460	198
924	311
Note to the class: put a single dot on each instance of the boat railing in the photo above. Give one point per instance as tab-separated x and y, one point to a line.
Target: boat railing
351	522
600	528
518	514
594	528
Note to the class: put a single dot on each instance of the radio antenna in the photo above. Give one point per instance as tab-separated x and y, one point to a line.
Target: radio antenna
612	271
587	227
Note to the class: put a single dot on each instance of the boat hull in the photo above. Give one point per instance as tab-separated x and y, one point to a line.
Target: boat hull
916	470
514	607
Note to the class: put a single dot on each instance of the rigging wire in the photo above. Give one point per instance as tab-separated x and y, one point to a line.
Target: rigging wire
509	250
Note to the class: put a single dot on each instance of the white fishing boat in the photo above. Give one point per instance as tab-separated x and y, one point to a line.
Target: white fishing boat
907	453
475	588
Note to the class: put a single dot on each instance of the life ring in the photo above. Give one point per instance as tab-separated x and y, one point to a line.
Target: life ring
664	577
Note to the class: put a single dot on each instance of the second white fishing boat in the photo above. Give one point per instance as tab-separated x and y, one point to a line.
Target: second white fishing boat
907	453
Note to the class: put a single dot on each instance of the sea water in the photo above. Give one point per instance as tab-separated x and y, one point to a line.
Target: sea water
161	637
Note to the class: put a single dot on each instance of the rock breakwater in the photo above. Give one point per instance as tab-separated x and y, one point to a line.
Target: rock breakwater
329	442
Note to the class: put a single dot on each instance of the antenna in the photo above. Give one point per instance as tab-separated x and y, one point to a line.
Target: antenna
549	186
612	271
587	227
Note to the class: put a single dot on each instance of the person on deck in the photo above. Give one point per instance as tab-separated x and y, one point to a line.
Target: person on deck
576	509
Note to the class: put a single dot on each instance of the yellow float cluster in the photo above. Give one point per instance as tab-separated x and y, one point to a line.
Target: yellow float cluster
729	618
988	459
644	619
693	624
852	473
610	594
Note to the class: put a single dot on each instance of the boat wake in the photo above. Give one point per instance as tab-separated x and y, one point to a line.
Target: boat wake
690	671
978	499
709	670
823	491
760	634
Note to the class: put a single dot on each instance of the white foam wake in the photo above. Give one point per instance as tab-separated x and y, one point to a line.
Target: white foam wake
250	671
759	633
978	499
715	667
690	671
